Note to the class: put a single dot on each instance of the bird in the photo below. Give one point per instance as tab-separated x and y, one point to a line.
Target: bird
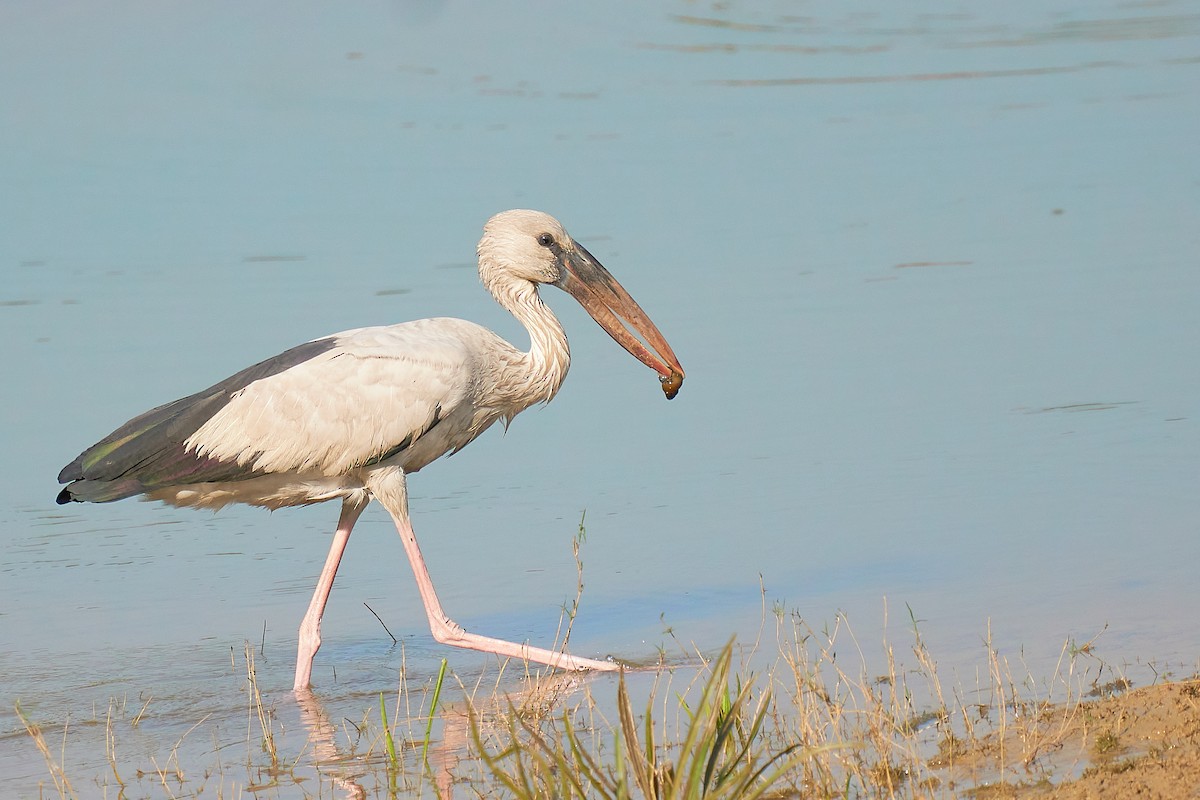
348	416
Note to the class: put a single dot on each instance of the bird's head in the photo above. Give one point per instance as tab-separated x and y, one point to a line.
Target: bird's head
525	244
533	247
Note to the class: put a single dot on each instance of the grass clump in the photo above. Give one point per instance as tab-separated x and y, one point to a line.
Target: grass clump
724	752
820	717
1106	744
817	718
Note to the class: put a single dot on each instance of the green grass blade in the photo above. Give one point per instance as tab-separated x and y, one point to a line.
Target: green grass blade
387	732
437	693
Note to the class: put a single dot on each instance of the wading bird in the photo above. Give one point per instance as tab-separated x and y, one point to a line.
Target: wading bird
347	416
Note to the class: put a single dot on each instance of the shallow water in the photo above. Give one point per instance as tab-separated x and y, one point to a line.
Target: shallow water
932	272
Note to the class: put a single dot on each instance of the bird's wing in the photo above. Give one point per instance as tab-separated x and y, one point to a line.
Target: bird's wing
328	406
372	395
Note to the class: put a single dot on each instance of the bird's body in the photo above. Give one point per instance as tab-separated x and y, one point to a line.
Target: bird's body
347	416
301	434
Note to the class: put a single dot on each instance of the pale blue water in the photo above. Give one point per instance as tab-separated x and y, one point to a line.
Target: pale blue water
932	271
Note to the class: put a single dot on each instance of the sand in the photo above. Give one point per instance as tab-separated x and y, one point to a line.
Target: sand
1144	743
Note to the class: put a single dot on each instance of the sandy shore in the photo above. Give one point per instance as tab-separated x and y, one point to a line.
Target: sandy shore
1144	743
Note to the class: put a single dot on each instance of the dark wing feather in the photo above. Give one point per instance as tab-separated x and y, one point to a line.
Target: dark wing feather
148	452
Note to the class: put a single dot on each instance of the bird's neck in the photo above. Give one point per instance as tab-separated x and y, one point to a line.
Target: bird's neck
537	374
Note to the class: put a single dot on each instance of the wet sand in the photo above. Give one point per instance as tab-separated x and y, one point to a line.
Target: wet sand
1143	743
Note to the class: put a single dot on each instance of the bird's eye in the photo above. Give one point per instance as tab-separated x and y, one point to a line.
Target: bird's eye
546	240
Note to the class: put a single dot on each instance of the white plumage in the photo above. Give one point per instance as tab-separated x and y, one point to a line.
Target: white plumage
347	416
310	418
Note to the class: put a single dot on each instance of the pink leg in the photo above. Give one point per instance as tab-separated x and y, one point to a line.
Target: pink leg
309	640
447	631
392	493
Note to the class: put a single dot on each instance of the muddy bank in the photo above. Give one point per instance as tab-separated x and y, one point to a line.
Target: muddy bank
1144	743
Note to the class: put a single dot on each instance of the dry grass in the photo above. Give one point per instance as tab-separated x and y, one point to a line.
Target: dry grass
721	754
812	716
816	722
62	784
806	718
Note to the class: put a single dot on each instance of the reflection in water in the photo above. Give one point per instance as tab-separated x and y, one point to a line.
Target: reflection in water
538	694
321	737
346	770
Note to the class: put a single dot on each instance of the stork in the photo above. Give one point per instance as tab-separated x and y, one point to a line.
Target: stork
348	416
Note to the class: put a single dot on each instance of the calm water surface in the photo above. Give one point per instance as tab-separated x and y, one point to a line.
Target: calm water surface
932	272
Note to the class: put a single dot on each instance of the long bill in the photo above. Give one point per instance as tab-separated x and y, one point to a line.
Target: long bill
586	279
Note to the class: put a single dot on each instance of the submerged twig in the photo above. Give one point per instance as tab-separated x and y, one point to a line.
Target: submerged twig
381	622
